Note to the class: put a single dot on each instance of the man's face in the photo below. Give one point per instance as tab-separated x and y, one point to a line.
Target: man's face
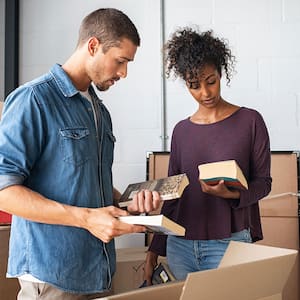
104	69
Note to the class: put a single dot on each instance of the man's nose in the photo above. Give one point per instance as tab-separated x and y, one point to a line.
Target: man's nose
122	72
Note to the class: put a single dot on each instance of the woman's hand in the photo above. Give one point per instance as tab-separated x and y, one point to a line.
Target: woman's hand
220	190
150	264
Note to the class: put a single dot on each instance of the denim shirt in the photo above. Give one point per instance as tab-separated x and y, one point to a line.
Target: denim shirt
49	143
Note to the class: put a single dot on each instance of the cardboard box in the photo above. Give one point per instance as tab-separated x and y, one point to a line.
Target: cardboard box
279	213
157	165
247	271
279	210
130	269
9	287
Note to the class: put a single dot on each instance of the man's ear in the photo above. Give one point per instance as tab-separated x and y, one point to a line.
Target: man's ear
93	45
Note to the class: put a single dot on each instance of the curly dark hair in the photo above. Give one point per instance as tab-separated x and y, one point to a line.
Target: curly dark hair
188	51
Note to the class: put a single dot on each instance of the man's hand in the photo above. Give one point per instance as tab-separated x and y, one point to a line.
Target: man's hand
144	201
101	222
104	224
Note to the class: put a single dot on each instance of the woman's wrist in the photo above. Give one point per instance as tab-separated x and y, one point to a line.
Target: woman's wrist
235	194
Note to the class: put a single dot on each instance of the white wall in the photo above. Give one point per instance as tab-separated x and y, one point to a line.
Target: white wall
263	35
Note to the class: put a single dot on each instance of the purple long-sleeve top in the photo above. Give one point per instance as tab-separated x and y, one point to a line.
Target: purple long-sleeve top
243	136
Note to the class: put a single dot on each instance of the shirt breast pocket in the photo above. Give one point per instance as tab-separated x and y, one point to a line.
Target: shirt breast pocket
75	145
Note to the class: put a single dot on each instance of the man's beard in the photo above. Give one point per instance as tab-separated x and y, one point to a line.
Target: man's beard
102	87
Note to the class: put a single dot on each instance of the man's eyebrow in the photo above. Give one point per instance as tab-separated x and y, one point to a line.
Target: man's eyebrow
126	58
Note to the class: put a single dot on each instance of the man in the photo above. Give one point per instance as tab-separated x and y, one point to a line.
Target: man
56	154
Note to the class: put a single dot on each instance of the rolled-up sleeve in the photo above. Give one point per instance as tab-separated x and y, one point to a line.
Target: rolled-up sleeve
20	136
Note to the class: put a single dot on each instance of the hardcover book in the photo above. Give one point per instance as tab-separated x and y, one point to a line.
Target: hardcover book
169	188
155	223
227	170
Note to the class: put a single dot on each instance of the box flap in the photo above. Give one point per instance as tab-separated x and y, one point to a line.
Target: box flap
131	254
238	253
281	200
281	205
281	165
249	281
170	291
248	272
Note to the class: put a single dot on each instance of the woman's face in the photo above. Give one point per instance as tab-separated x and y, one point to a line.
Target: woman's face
206	89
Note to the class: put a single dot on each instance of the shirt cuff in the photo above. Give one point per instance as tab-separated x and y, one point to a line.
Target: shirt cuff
8	180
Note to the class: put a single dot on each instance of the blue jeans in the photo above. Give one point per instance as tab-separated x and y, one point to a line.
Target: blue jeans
186	256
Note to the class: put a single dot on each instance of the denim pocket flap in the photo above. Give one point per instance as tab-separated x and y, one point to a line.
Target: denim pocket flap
74	133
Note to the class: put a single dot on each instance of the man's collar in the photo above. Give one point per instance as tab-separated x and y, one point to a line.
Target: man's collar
63	81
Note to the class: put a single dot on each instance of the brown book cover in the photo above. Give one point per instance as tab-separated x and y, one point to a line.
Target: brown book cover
155	223
227	170
169	188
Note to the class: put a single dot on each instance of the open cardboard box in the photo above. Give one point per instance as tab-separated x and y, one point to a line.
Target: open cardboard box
247	271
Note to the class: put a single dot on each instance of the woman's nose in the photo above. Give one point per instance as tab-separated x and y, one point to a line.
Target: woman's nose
205	91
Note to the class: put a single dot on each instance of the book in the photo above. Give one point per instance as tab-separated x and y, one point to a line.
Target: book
227	170
155	223
169	188
5	218
162	274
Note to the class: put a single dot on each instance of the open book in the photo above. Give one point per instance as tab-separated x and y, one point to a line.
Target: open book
169	188
227	170
156	223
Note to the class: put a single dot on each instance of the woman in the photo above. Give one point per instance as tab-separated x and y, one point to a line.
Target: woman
218	130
